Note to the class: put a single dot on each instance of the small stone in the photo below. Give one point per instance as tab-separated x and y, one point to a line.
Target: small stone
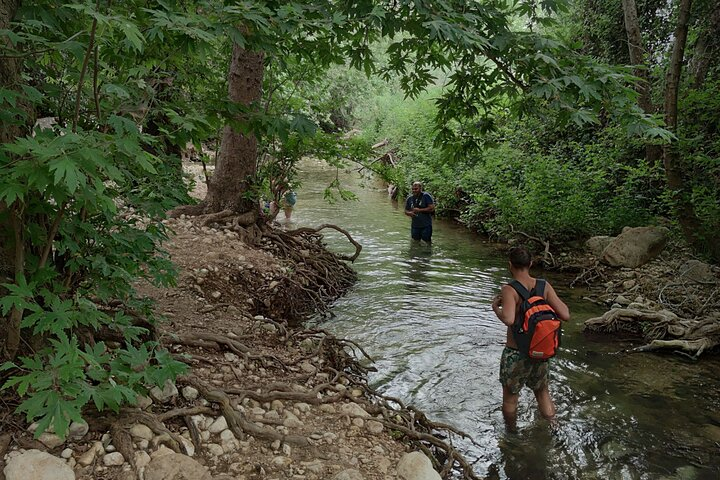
78	430
227	436
189	393
143	402
215	449
218	425
89	456
286	449
50	440
374	427
281	461
165	394
276	445
113	459
141	432
67	453
216	294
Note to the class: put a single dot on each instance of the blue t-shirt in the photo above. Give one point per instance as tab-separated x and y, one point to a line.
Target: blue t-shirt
423	219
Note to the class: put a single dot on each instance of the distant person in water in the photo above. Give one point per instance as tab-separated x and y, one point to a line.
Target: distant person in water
516	369
419	207
288	203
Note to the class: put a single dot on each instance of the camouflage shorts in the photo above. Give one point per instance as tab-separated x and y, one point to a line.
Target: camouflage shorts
517	370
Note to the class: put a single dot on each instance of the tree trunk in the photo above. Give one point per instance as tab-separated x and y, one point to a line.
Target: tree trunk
637	54
706	49
9	67
671	159
11	259
237	161
637	58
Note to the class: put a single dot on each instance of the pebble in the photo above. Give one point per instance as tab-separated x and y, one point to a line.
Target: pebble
218	425
113	459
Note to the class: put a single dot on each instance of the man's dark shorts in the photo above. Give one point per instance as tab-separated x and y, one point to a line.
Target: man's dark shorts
423	233
517	370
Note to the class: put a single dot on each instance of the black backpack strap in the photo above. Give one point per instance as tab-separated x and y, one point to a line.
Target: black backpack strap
539	288
520	289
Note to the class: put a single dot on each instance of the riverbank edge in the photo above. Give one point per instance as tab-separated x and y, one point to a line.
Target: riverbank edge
309	412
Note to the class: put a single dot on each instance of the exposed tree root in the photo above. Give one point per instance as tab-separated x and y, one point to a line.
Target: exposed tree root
236	421
663	330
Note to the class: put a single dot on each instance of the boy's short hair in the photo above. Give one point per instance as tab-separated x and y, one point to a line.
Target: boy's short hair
520	257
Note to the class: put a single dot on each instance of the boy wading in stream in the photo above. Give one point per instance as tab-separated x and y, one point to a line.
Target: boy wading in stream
532	312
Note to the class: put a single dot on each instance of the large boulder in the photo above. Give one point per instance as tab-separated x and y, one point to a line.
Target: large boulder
596	245
635	246
176	466
416	466
37	465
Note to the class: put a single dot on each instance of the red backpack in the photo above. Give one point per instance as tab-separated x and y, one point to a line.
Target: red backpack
537	328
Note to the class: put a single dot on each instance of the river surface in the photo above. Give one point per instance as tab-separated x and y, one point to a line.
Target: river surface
423	313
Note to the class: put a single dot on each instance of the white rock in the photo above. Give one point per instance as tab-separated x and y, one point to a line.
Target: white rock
113	459
78	430
215	449
374	427
353	409
189	446
218	425
416	466
227	435
176	467
141	432
67	453
141	460
281	461
303	407
165	394
189	393
349	474
37	465
89	456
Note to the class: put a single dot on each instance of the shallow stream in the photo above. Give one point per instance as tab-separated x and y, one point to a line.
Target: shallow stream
423	313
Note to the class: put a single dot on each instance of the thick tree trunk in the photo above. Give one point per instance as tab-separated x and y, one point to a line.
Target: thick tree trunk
637	53
637	58
9	66
671	158
237	162
706	48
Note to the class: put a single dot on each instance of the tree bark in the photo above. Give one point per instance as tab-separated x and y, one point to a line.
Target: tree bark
706	49
671	158
236	164
637	58
637	53
9	66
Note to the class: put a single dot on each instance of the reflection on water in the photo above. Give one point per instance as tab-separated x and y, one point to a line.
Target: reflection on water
423	313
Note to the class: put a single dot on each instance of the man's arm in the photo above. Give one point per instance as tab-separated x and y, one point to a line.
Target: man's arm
504	305
562	310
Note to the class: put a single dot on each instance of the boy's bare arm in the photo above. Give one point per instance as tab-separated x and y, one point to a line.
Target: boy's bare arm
504	305
562	310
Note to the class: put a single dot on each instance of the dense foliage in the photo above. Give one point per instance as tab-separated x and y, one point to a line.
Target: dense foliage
567	181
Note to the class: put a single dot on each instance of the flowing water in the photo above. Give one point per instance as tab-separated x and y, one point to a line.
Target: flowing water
423	313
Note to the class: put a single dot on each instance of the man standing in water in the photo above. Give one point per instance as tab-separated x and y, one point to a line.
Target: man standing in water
517	369
419	206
